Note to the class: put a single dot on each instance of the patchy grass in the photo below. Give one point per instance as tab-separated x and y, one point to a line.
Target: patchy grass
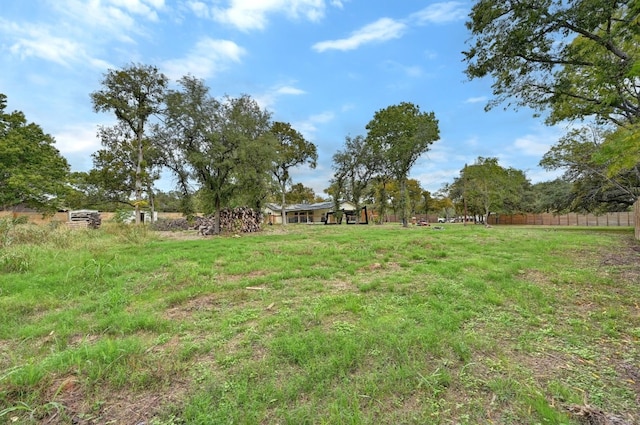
320	324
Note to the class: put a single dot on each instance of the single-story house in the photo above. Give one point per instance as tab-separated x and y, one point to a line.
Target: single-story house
303	213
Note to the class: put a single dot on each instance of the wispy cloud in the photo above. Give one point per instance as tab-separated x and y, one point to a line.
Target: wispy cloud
309	126
385	29
38	41
77	30
270	97
533	145
207	58
438	13
144	8
382	30
478	99
249	15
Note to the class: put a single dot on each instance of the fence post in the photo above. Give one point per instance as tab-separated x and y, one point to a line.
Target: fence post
636	213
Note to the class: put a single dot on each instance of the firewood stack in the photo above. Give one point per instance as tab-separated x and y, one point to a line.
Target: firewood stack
84	218
237	220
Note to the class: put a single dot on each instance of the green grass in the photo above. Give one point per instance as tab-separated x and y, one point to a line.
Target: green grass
319	324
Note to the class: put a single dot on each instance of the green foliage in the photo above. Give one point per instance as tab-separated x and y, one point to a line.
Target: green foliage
299	193
577	61
223	145
621	152
32	171
292	150
486	187
128	164
571	58
603	176
355	167
398	135
553	196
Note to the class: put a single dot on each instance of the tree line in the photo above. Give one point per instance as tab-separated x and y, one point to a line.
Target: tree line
576	63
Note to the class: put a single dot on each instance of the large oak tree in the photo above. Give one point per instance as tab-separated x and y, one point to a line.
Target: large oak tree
134	94
32	171
573	59
224	146
400	134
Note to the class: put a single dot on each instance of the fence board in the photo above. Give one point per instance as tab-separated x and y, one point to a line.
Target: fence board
625	219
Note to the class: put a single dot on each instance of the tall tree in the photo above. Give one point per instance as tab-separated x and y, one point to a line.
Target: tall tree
595	187
356	165
486	187
222	145
552	196
400	134
575	59
292	150
32	171
134	94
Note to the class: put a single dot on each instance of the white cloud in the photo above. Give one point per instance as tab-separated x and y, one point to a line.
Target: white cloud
476	99
39	44
309	127
206	59
382	30
289	90
270	97
252	14
143	8
533	145
200	9
440	13
77	138
95	20
38	41
76	30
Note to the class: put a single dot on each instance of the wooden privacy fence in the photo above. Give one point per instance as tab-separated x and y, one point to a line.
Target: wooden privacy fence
628	218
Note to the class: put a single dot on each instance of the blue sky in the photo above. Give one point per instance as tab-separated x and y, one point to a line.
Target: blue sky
324	66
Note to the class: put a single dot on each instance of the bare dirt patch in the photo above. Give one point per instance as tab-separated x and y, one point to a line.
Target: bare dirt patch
76	405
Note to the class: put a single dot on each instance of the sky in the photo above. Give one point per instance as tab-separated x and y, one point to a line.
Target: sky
324	66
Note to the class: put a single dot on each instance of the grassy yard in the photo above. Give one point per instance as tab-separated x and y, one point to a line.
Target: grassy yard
320	325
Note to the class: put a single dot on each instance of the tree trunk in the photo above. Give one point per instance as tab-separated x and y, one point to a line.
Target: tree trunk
283	212
152	205
216	224
403	202
138	191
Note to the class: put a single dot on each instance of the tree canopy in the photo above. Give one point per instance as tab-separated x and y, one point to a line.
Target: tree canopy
485	187
398	135
134	94
32	171
225	145
594	186
291	150
575	59
354	168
